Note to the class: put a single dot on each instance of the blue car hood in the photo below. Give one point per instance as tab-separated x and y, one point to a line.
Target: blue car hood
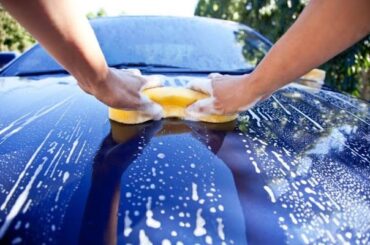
294	169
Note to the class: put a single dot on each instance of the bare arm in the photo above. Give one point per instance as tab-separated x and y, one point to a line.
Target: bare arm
66	34
324	29
64	31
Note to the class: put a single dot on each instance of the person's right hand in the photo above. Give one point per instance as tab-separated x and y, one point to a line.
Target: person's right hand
228	94
121	89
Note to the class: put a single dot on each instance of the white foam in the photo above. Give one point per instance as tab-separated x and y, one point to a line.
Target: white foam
283	107
194	194
27	206
19	203
74	146
209	240
144	239
202	85
127	229
199	224
28	164
271	194
254	163
319	205
150	221
52	161
220	229
36	116
292	217
310	119
65	176
166	242
161	155
80	153
17	240
58	193
254	116
309	190
12	124
281	160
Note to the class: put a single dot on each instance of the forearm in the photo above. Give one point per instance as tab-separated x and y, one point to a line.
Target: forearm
324	29
66	35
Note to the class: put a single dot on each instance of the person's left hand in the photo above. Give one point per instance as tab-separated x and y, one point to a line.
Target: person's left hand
228	94
122	89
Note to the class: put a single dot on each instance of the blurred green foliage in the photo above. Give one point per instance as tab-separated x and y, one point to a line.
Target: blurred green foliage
347	72
100	13
13	37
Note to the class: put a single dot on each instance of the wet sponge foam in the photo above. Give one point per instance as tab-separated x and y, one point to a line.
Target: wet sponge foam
174	101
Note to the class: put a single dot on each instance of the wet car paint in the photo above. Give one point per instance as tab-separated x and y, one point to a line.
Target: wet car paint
294	169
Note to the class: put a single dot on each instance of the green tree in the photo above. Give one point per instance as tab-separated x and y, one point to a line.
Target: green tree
347	72
100	13
13	37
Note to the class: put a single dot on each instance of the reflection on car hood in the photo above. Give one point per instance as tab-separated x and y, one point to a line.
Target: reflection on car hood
293	169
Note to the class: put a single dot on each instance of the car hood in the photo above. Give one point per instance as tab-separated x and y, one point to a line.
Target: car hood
293	169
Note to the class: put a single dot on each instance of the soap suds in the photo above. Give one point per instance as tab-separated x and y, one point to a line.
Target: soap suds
194	194
150	221
127	230
200	223
144	239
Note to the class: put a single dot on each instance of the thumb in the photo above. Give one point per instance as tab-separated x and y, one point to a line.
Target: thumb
203	107
214	75
202	85
150	108
152	81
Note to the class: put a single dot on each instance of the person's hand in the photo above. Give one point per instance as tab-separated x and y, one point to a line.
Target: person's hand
228	94
121	89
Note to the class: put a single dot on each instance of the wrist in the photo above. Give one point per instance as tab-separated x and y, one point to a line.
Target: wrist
95	80
257	86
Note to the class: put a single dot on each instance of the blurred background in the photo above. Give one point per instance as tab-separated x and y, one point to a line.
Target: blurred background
348	72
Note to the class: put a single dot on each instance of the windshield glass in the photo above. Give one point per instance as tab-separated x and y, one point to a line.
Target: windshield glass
195	43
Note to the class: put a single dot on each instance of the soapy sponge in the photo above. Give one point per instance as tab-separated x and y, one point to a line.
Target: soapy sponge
174	101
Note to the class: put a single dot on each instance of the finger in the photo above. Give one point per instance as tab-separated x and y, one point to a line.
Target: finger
153	81
202	85
133	71
150	108
214	75
203	107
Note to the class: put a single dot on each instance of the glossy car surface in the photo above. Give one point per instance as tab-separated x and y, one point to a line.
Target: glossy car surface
294	169
6	57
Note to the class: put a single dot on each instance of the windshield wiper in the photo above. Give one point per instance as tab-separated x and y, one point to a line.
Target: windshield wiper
155	68
200	72
151	69
145	65
40	73
223	72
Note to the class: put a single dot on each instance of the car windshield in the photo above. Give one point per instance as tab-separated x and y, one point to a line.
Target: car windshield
191	43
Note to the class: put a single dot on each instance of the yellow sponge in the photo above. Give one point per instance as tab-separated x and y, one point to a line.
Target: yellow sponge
174	101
